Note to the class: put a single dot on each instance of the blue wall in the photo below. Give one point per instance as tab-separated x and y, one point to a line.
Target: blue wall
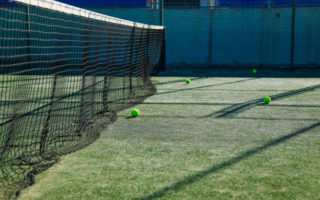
267	3
235	37
193	3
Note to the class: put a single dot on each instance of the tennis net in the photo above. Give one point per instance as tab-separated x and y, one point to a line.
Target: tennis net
64	73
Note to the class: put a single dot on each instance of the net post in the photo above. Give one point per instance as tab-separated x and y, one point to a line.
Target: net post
293	23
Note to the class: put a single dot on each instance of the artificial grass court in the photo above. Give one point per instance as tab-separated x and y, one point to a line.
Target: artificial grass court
212	139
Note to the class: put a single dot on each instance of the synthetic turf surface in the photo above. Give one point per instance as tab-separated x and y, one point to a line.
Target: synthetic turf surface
212	139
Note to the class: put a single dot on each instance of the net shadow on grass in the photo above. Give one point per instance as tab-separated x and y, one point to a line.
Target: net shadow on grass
175	81
275	119
240	72
205	86
258	102
242	118
216	168
233	90
226	103
193	103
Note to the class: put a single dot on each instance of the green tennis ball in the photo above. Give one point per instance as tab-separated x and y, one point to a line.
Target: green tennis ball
267	100
188	81
134	112
254	71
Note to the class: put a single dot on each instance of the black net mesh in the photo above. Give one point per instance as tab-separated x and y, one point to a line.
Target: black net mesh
64	72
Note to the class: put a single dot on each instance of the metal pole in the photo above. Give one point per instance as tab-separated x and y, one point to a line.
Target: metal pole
293	23
161	12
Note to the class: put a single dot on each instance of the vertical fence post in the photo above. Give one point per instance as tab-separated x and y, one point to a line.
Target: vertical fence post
161	12
293	24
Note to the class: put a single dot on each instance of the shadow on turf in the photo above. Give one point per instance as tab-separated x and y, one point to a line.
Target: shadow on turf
205	86
159	93
175	81
226	104
227	71
130	117
258	102
243	118
215	168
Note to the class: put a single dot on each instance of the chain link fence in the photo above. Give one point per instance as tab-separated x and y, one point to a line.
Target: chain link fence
205	4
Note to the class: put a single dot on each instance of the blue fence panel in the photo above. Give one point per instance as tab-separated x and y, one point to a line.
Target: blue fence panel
299	3
106	3
308	3
6	2
268	3
242	3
